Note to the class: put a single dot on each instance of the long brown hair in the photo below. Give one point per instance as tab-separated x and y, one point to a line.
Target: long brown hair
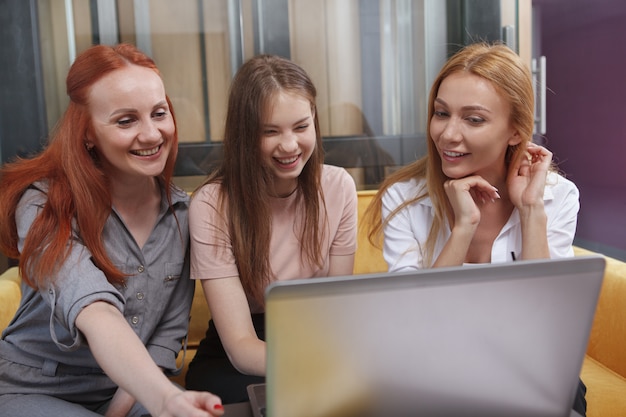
77	187
506	71
246	183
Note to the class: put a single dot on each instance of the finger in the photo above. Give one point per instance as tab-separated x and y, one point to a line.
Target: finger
478	196
493	195
479	189
487	192
489	196
473	182
212	404
523	170
195	404
539	154
521	163
217	410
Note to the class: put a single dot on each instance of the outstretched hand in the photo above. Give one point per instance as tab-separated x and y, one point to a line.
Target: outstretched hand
192	404
527	177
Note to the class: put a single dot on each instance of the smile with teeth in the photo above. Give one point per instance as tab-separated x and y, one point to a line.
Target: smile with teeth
453	154
146	152
287	161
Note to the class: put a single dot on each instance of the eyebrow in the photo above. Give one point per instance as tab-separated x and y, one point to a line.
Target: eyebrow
131	110
471	107
295	123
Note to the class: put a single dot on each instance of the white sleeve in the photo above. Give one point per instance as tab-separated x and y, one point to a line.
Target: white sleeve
563	218
401	248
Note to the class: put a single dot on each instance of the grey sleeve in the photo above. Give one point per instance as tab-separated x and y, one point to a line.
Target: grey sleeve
77	283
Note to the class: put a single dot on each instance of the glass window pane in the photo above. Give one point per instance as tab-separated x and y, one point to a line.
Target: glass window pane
372	62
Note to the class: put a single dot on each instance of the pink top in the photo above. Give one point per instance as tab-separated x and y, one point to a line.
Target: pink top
211	252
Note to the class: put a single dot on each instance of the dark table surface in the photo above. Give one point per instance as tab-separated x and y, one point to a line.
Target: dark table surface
237	410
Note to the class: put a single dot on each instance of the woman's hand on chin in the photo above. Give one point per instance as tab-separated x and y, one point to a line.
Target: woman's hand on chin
465	194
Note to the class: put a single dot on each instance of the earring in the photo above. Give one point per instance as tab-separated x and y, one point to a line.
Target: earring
89	146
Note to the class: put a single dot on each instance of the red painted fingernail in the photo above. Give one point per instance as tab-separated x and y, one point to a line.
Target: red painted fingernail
218	407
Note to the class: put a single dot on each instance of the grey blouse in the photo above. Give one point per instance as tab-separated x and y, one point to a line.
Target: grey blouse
156	299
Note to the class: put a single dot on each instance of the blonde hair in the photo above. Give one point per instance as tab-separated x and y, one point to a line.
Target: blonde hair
506	71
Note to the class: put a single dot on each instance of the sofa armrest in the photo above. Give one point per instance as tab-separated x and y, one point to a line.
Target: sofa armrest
10	295
607	341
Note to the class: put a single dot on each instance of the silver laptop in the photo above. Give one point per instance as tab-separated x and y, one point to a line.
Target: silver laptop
484	340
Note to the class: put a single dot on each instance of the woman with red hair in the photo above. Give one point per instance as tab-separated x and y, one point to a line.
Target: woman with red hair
101	235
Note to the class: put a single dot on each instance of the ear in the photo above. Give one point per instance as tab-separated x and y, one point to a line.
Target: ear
514	139
89	144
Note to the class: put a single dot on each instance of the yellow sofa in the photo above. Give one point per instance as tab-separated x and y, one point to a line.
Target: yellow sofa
10	295
604	366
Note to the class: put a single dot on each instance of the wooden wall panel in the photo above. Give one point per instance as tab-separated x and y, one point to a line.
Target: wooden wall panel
176	50
307	26
218	75
344	67
82	25
325	41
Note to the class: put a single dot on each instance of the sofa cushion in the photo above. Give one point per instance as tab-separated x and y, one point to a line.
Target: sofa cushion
607	341
606	390
10	295
368	258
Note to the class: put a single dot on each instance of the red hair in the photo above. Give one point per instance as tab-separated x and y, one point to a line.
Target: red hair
78	189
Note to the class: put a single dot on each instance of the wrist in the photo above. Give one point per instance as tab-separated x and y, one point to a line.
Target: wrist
533	213
167	395
464	230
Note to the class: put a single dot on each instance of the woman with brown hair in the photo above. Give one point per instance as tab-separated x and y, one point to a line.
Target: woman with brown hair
272	211
101	236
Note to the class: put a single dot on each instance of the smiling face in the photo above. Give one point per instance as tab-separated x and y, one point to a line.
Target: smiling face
471	128
288	139
132	123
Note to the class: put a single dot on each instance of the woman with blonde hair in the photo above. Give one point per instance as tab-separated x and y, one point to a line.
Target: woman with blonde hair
101	236
484	193
272	211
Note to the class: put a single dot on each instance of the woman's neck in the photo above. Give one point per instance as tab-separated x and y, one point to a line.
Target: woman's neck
284	189
134	193
138	206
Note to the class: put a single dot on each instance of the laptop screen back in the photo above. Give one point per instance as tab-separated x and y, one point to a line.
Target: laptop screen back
484	340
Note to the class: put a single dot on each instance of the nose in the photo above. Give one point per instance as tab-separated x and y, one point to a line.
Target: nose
288	143
149	131
451	131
